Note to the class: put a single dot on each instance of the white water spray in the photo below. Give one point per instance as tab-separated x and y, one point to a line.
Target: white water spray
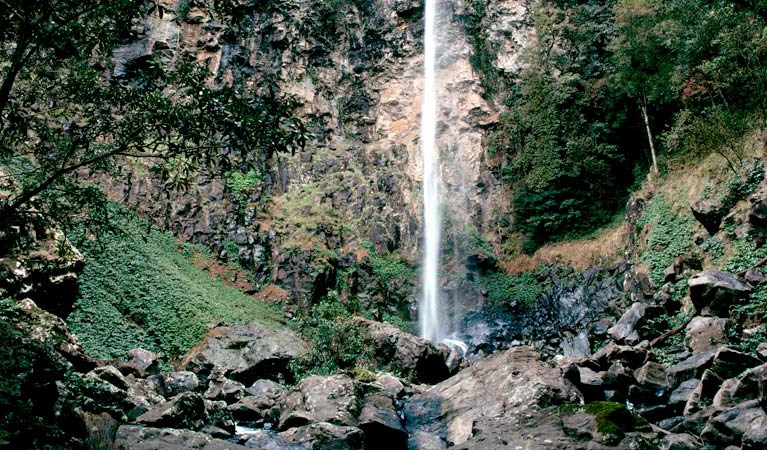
431	317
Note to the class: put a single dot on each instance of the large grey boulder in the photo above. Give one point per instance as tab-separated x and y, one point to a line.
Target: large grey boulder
144	359
170	384
728	426
131	437
706	333
489	399
320	399
222	388
689	368
755	438
709	213
626	327
682	441
382	425
729	363
246	353
186	410
714	291
415	357
753	384
316	436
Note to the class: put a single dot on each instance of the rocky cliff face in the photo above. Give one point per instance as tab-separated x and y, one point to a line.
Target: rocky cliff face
356	68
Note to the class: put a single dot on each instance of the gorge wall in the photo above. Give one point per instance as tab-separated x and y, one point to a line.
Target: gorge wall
356	69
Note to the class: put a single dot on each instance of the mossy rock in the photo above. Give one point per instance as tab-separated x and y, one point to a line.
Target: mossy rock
613	420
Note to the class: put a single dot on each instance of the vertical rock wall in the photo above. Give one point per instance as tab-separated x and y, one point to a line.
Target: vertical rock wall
356	66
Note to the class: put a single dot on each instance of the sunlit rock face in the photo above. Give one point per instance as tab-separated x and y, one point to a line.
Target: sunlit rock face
357	72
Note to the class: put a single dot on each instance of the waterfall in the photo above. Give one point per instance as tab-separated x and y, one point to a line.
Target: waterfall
431	315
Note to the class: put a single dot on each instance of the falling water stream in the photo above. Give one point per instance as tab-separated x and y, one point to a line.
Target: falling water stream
431	317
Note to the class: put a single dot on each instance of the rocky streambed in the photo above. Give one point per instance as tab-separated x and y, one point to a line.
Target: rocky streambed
235	390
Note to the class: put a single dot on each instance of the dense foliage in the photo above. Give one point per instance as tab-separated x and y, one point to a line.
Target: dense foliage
69	105
608	82
141	288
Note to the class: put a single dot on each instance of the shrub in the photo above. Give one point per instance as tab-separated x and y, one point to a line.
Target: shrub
336	343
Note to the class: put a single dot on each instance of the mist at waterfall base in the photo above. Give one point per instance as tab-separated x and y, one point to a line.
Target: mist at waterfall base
432	317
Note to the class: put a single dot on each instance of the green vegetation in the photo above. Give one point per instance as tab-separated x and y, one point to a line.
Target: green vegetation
503	287
483	57
336	343
396	278
60	113
141	287
601	80
237	182
182	9
669	236
565	142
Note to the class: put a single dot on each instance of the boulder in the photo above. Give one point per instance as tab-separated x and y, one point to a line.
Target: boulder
681	395
704	392
727	427
714	291
487	399
417	358
253	409
186	410
652	375
382	425
322	436
219	416
680	442
44	267
320	399
709	213
246	353
755	438
148	362
725	396
262	386
389	385
576	346
729	363
706	333
694	423
170	384
625	330
131	437
753	385
222	388
690	368
761	351
111	375
670	274
632	357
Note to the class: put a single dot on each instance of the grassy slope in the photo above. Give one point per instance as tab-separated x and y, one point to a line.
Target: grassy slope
144	289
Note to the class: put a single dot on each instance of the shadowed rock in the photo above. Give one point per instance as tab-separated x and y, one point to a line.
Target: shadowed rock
246	353
714	291
145	438
420	360
709	213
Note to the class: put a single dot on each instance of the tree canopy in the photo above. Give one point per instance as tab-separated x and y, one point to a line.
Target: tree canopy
64	111
606	82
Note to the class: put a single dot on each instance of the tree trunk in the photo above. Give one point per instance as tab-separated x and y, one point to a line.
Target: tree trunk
17	62
643	106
